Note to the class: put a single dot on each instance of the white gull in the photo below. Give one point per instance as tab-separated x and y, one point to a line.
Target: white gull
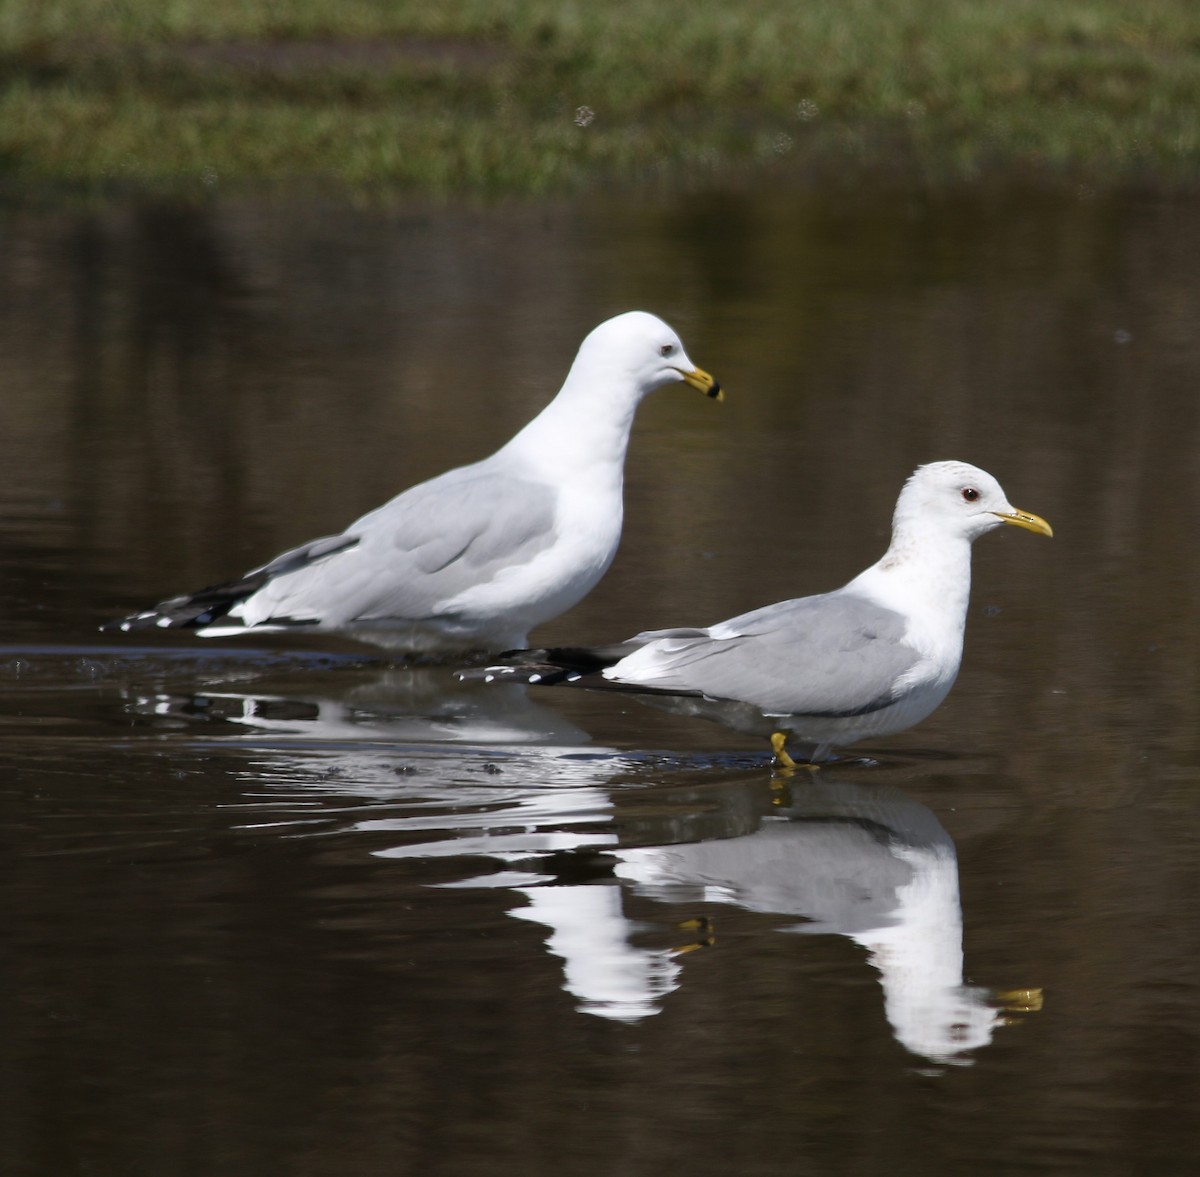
870	659
471	560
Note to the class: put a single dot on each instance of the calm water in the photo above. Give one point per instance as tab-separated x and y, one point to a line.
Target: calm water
291	910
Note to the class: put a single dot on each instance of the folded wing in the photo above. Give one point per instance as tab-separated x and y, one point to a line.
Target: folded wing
837	654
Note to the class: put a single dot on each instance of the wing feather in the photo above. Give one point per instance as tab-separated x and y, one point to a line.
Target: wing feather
419	551
837	654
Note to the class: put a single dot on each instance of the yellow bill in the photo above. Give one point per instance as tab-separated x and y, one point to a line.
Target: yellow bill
1025	520
701	380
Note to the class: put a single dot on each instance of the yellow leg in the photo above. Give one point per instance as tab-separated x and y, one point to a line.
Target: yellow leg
778	742
785	766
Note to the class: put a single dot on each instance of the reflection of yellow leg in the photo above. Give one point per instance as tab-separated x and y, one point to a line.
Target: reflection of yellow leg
1023	1001
707	935
778	742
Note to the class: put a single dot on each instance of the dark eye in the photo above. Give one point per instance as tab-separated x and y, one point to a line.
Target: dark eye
970	494
666	349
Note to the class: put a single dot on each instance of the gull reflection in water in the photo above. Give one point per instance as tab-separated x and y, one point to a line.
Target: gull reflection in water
397	736
409	705
868	863
581	832
608	975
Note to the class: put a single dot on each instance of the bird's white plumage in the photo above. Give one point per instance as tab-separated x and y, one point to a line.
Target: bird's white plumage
872	658
869	659
477	557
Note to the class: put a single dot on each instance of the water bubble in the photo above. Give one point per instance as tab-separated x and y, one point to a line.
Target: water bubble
807	110
781	144
208	177
914	110
584	116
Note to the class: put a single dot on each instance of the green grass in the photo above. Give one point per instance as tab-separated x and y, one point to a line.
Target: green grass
486	95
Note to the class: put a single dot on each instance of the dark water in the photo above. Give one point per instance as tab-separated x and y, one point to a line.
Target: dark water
290	910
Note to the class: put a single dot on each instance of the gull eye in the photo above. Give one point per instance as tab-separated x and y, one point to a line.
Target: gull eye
666	349
970	494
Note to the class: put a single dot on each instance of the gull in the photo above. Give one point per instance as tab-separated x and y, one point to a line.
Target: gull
869	659
471	560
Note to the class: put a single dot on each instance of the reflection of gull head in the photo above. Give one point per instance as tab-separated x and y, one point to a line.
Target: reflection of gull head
611	977
920	961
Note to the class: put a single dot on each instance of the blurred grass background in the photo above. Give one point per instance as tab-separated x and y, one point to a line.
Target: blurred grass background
533	95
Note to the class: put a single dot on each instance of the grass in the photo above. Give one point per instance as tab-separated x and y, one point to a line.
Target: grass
533	95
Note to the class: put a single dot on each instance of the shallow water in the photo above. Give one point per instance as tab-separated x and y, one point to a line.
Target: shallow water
288	909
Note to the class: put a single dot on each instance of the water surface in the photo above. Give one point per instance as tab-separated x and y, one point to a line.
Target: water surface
290	909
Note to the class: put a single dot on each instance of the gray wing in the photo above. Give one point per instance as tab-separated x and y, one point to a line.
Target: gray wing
409	557
836	654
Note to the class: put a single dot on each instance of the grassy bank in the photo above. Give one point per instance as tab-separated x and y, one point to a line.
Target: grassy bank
531	95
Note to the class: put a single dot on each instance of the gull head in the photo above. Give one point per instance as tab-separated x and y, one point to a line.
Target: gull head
959	500
643	349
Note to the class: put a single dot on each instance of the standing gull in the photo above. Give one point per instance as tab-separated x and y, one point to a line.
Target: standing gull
475	558
869	659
